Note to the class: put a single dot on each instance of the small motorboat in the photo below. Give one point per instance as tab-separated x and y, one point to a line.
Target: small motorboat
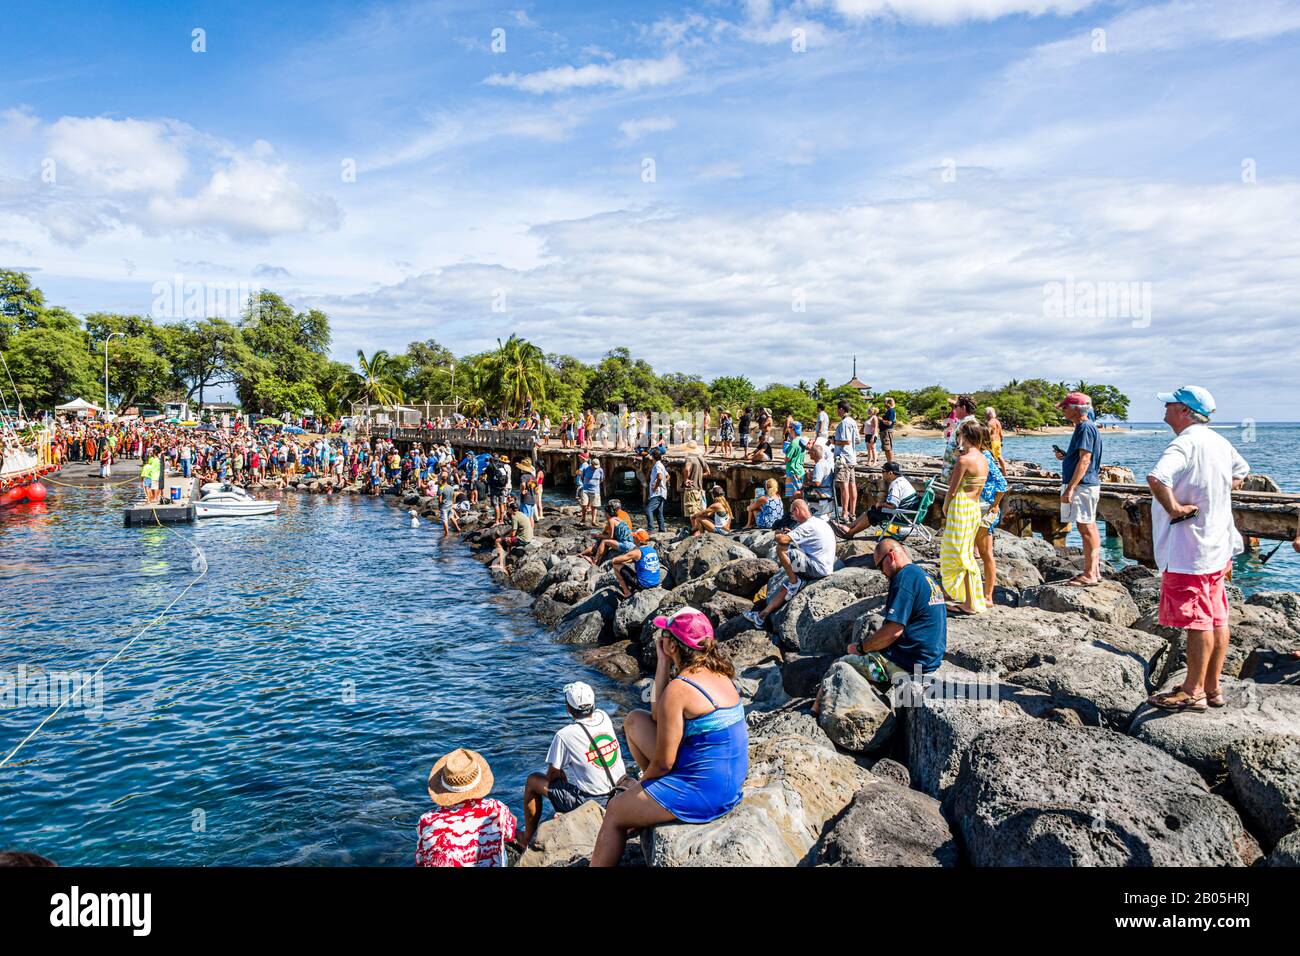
227	501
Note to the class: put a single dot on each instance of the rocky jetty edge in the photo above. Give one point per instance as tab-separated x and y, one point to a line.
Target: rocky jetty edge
1034	748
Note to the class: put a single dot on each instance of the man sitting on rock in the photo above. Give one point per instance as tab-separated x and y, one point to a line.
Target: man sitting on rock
806	552
638	569
915	633
900	494
521	532
584	762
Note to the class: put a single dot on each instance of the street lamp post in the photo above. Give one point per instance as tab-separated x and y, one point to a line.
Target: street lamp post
106	341
454	404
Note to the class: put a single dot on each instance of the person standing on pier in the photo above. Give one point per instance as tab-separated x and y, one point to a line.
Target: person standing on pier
1195	540
746	420
886	425
795	450
844	446
657	494
1081	484
590	477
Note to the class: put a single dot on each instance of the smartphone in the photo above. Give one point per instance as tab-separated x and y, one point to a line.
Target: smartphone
1191	514
1058	449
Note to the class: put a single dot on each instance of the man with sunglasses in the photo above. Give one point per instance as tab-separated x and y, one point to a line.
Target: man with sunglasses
915	633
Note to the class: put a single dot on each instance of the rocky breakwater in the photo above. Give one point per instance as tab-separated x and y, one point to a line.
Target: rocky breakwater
1033	745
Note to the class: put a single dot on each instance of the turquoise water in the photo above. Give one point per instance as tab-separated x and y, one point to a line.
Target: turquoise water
1270	448
290	708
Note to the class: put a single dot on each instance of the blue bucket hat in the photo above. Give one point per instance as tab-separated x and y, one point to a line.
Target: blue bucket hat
1194	397
797	428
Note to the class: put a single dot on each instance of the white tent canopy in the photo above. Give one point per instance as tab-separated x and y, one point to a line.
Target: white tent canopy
77	405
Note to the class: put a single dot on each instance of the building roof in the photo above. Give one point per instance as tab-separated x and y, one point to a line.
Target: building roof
857	383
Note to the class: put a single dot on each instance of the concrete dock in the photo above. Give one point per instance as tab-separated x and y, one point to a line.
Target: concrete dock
166	511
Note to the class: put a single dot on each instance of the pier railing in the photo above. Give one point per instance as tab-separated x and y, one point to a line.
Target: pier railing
487	439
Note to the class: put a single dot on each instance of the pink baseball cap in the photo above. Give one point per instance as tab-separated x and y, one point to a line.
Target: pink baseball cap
1074	398
688	625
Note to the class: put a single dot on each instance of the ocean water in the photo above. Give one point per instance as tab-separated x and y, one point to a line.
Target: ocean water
287	711
1271	448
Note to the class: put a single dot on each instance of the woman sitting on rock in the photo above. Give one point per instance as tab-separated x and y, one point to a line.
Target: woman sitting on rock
715	517
692	746
767	508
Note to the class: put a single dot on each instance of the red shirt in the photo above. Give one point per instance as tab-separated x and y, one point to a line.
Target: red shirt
473	833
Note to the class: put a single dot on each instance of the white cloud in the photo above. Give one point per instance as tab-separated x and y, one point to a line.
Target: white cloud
154	176
955	11
621	74
952	289
633	130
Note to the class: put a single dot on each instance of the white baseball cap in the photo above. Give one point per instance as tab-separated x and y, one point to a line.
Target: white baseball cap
579	696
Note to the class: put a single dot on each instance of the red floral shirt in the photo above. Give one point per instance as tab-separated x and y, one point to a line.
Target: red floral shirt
473	833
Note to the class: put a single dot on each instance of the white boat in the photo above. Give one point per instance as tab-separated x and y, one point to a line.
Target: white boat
227	501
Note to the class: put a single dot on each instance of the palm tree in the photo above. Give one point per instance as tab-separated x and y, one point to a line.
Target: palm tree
378	379
821	390
803	387
516	373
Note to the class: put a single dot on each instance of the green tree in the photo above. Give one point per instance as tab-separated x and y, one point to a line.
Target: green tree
784	400
685	391
205	354
380	379
21	304
620	378
517	371
284	349
732	392
428	376
51	362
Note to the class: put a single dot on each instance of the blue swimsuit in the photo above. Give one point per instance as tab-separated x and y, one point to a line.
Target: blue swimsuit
708	778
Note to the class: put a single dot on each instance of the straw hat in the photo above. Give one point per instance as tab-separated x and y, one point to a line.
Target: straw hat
459	776
526	467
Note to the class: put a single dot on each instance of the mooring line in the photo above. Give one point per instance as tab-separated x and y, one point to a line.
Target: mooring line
203	570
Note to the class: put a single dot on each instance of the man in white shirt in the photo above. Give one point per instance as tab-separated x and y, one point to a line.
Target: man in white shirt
1195	540
899	493
817	483
846	462
823	424
584	762
806	552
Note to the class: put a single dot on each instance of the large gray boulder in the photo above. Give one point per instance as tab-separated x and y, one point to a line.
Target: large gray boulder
1103	671
1107	602
888	825
749	649
528	576
747	836
760	687
722	607
1265	774
568	592
796	785
854	715
761	541
1201	740
1018	573
695	557
1043	794
618	660
549	611
1287	851
568	569
745	576
633	612
582	629
820	618
567	839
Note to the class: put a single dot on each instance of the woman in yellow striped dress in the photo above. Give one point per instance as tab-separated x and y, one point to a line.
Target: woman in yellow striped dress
958	567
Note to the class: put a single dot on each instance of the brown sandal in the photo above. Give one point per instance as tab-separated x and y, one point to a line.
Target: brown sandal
1216	699
1177	700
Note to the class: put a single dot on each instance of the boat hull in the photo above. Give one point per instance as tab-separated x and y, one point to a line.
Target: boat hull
239	510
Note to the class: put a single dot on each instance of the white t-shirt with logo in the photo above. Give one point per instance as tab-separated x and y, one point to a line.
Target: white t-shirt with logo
900	489
583	767
1199	465
815	539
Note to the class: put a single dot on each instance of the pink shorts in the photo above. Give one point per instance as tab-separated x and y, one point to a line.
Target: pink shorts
1194	602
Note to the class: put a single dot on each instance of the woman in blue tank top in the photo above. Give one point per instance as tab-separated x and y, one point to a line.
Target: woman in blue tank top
692	747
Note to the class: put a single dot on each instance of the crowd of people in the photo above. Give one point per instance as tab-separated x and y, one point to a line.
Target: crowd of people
689	749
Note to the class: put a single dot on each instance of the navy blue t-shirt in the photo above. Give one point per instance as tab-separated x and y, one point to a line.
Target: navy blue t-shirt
916	602
1085	438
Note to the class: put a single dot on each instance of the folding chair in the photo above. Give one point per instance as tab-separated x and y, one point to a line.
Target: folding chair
910	516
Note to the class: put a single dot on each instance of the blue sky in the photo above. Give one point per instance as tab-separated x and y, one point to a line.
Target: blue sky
905	181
